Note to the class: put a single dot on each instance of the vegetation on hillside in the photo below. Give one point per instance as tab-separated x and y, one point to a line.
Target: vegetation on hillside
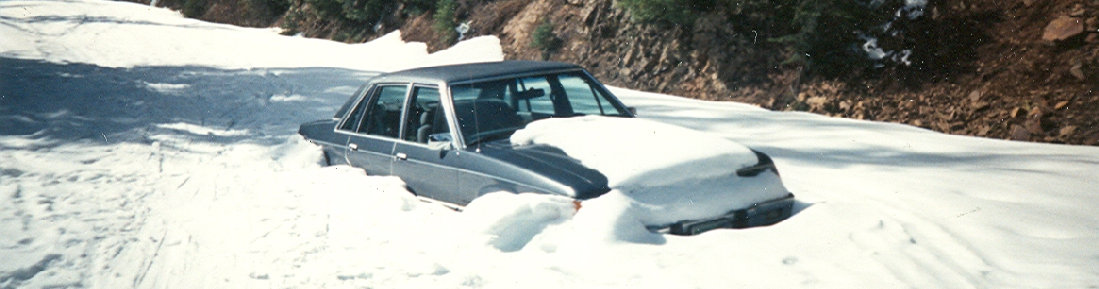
827	37
443	21
350	20
545	40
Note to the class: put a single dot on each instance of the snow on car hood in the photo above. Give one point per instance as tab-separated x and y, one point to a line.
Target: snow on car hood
635	152
659	173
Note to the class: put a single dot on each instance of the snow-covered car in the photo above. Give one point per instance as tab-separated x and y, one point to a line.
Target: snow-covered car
454	133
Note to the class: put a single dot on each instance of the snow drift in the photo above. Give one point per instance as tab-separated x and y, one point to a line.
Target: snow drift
139	149
661	173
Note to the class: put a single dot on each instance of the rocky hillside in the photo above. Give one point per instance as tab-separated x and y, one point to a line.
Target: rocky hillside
1023	70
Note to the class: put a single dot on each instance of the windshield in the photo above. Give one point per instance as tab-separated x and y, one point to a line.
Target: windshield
494	109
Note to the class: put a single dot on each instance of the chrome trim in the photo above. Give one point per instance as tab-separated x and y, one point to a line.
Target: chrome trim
321	142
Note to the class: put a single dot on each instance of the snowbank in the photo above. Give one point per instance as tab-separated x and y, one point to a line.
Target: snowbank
152	176
635	153
508	221
131	35
664	173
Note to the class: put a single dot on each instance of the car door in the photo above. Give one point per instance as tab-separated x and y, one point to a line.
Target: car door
375	124
425	157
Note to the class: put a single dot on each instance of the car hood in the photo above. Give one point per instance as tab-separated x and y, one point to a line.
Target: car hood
552	163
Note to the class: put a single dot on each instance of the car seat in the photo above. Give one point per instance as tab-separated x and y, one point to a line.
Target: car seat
483	115
426	124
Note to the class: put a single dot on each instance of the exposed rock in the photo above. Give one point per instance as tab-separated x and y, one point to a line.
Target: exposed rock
817	103
942	126
1034	126
1068	131
1077	10
984	129
1077	71
978	106
520	26
625	72
1019	133
1060	105
1062	28
628	59
1036	112
975	96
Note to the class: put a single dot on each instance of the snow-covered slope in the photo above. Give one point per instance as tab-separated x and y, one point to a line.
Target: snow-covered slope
139	149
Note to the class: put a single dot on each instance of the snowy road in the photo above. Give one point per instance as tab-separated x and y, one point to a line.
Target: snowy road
139	149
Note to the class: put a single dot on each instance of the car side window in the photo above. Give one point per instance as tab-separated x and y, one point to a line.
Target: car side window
424	115
583	97
352	122
383	116
351	101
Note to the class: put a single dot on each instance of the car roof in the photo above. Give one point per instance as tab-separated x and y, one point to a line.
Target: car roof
474	71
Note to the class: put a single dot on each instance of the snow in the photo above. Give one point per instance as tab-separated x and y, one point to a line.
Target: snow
672	173
657	151
139	149
200	130
87	32
509	221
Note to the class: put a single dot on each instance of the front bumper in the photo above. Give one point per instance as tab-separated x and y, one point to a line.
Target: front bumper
761	214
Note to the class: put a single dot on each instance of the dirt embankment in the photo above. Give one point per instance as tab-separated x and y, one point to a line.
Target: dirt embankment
1023	70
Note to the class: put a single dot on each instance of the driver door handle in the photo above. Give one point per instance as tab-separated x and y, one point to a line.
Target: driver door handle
401	156
353	147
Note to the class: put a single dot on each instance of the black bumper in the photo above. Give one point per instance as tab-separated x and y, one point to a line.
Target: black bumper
761	214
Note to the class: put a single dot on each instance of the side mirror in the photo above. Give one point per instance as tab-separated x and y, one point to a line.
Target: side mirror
633	110
439	141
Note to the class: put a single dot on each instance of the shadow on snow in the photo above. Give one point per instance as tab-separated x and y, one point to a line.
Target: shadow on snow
60	103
